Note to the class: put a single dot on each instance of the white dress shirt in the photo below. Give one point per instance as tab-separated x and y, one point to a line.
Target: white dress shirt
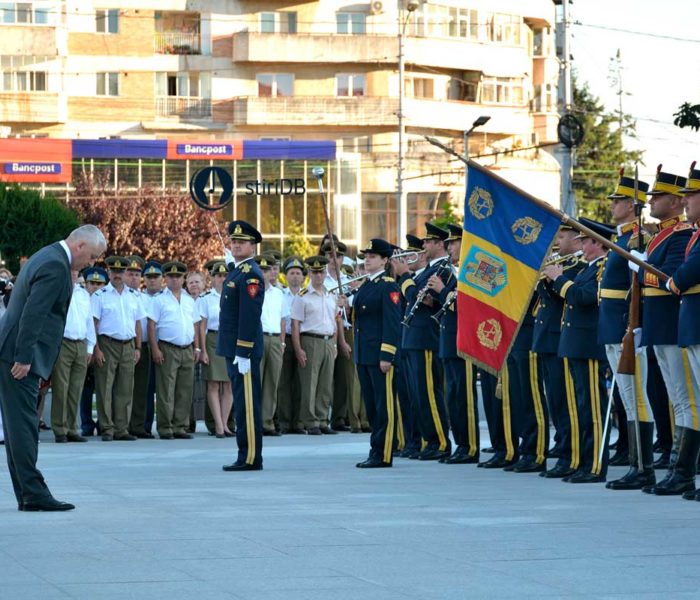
174	320
287	309
79	322
315	311
146	300
117	313
273	310
66	249
209	307
329	283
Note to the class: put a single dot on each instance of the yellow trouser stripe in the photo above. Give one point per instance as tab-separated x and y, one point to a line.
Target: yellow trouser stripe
639	392
573	415
431	399
537	402
471	417
400	434
507	430
389	437
249	416
672	418
689	384
595	411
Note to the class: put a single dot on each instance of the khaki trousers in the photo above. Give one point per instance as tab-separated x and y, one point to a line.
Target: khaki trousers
114	385
316	380
67	382
289	392
270	371
140	395
344	379
174	385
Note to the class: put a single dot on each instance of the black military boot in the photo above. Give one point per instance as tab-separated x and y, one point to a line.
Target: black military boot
677	434
635	479
621	458
683	477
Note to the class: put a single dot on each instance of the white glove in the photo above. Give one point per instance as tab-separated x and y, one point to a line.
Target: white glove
243	364
640	256
228	257
637	338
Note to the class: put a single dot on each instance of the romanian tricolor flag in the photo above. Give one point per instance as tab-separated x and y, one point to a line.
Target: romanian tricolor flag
506	238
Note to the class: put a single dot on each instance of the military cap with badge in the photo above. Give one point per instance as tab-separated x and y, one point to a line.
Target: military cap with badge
316	264
95	275
242	230
216	266
116	263
135	263
294	262
433	232
152	268
174	268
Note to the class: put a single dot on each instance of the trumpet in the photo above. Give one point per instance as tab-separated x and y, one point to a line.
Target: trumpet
411	256
557	259
342	287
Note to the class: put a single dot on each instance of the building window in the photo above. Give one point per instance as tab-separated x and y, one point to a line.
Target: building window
545	98
183	94
352	23
107	84
503	90
30	13
464	23
348	85
505	29
462	89
23	74
278	22
275	85
419	87
107	20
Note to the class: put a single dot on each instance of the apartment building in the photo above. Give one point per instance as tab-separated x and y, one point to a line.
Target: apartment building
266	77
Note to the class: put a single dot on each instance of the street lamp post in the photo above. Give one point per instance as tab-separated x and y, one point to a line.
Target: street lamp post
482	120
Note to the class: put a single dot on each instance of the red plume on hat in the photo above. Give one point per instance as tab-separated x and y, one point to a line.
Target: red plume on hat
622	171
658	169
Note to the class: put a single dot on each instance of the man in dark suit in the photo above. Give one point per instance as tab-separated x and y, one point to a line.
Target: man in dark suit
31	332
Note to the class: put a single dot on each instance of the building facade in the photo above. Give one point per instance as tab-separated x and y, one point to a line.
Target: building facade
286	72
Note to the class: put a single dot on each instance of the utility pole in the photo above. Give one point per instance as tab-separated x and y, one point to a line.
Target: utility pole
568	200
615	79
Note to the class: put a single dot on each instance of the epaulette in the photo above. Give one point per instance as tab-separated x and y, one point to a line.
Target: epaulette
133	291
682	226
389	279
205	294
102	291
302	291
245	268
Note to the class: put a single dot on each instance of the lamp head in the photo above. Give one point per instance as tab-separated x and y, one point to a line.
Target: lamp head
482	120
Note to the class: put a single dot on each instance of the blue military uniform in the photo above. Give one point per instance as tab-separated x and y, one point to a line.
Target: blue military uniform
377	324
240	336
554	371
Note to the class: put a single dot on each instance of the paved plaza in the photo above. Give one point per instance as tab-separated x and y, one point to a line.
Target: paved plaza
160	519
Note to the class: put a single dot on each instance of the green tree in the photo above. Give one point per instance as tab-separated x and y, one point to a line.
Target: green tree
296	243
29	222
601	154
688	115
448	216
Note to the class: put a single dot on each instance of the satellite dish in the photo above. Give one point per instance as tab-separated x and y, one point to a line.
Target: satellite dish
570	131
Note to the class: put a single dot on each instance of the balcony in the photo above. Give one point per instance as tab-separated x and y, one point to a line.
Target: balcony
29	40
183	107
314	110
174	42
32	107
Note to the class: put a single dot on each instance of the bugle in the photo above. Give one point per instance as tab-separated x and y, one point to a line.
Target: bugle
558	259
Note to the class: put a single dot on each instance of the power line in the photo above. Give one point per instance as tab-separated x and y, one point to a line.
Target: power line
634	32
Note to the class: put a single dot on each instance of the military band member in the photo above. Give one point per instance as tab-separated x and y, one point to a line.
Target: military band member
579	344
613	320
117	311
241	343
377	334
314	330
553	370
666	251
68	374
172	322
421	343
273	322
686	283
460	374
219	392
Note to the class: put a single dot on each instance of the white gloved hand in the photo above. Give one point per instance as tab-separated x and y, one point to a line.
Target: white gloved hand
640	256
228	257
243	364
637	338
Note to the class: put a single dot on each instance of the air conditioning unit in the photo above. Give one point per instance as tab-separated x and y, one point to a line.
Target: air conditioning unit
376	7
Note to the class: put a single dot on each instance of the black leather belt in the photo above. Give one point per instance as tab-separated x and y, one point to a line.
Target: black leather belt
175	345
65	339
318	336
271	334
116	340
212	331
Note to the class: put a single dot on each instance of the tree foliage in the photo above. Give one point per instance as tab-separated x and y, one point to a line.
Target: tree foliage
296	243
448	216
688	115
601	154
28	222
153	223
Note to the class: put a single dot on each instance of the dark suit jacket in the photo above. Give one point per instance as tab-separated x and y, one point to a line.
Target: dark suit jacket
31	330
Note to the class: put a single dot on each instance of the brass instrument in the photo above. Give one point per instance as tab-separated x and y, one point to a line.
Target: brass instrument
341	287
557	259
408	253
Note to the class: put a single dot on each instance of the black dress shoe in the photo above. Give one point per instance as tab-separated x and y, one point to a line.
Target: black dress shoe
88	432
229	434
558	472
166	436
314	431
107	437
489	450
664	461
373	463
433	454
528	465
61	439
49	504
182	435
271	432
675	486
411	453
144	435
298	431
497	462
581	477
74	437
220	436
125	437
327	430
634	479
43	426
462	459
340	428
242	466
367	429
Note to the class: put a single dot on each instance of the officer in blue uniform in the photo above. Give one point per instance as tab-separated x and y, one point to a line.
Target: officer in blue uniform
421	343
613	320
579	344
553	370
460	374
686	283
240	342
377	325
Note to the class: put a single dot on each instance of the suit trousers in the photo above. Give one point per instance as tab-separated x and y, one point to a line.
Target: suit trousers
592	402
141	399
408	405
632	388
505	426
660	404
675	368
317	381
247	405
114	383
174	383
289	392
378	395
426	378
87	424
533	415
460	392
67	380
490	402
21	429
270	370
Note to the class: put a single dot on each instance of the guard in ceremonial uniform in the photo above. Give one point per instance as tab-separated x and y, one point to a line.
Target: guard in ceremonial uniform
579	344
241	343
553	370
666	252
117	311
377	325
172	323
613	320
460	374
686	283
422	342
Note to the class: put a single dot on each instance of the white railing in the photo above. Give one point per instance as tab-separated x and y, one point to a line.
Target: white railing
187	107
175	42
